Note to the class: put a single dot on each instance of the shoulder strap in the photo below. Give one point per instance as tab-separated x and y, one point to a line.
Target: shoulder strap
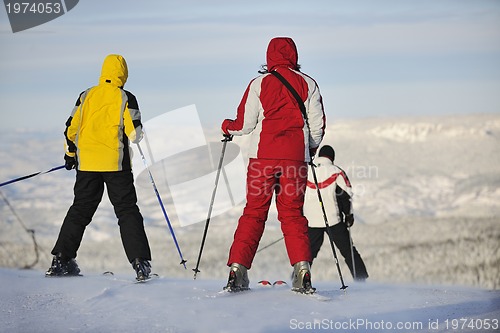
294	93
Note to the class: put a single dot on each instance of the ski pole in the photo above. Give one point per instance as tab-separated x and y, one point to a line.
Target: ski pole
31	175
271	244
183	261
226	139
29	231
352	254
330	236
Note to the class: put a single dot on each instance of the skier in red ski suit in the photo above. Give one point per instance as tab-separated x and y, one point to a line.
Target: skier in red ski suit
281	144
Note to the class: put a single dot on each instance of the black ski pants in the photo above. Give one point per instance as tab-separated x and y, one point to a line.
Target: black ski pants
88	190
341	240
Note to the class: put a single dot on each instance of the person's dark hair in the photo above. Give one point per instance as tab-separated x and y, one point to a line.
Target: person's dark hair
327	151
263	69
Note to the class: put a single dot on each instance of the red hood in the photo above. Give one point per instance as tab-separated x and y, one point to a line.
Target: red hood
282	52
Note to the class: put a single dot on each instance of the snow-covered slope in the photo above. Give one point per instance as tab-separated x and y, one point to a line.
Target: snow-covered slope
97	303
426	204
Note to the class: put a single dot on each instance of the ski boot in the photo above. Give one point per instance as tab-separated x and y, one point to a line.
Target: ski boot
63	267
238	279
143	268
301	280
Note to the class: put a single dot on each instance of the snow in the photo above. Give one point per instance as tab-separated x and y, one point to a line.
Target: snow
98	303
427	226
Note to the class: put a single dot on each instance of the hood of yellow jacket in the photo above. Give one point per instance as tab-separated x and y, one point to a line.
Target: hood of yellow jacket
114	70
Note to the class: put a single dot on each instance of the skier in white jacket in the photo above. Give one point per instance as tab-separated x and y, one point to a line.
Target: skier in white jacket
336	194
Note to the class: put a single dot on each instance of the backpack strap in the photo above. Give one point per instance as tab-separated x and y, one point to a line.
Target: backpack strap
294	93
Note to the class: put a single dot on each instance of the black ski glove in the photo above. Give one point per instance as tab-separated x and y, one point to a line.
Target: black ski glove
69	162
349	220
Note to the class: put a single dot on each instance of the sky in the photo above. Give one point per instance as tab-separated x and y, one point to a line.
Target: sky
384	58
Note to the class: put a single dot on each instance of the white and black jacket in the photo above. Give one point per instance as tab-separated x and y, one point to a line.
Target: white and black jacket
336	193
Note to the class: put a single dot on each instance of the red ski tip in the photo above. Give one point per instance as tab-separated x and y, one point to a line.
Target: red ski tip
265	283
279	283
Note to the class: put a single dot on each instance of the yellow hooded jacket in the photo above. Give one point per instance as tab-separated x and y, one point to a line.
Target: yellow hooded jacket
103	121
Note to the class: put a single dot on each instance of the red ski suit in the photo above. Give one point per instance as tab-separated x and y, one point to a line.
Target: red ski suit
280	145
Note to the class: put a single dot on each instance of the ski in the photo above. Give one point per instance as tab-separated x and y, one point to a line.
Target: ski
311	293
234	290
314	295
265	283
227	292
279	283
308	291
151	277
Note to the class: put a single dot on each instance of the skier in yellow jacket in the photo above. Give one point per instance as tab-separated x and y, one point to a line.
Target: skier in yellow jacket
104	121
